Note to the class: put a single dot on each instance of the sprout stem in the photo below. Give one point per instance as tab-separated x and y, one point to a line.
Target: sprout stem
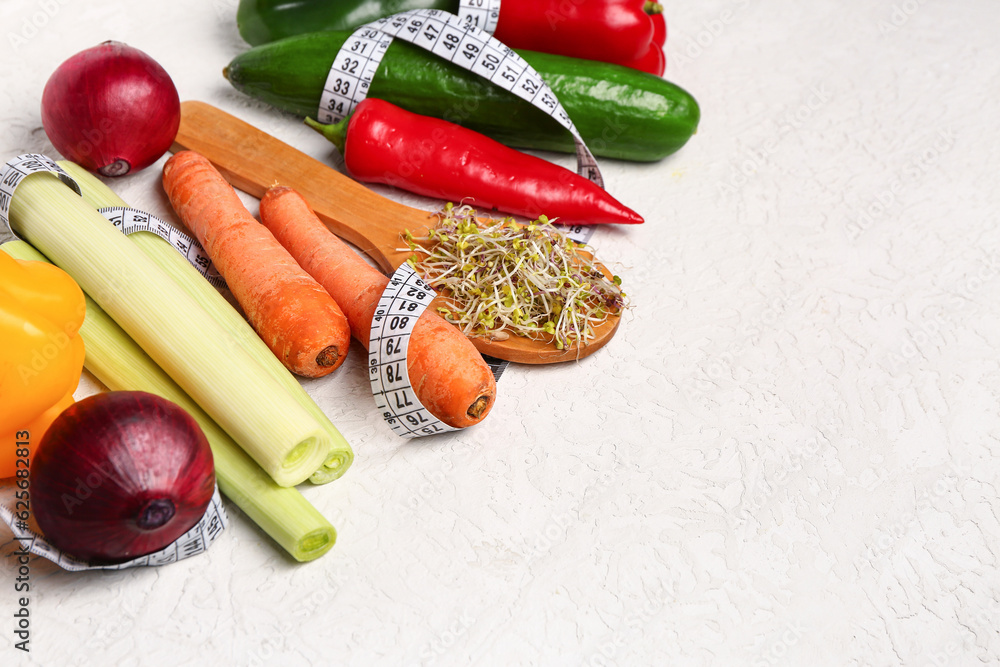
501	276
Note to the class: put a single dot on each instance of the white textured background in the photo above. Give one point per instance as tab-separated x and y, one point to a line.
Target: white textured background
786	457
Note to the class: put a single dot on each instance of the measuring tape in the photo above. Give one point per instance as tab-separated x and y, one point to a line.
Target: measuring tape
483	14
19	168
127	220
405	298
193	542
455	40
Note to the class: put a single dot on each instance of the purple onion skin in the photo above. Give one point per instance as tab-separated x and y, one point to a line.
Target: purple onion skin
120	475
111	109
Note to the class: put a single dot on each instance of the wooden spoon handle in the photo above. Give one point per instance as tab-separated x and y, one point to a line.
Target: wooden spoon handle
253	161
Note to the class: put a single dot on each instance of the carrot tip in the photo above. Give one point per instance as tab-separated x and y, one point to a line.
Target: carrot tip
478	407
277	190
328	357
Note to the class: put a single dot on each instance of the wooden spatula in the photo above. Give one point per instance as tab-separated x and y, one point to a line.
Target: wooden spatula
253	161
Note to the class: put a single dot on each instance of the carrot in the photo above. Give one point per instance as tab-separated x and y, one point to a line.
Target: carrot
446	371
300	322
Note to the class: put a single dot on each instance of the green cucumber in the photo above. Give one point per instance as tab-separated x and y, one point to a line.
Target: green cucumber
620	112
263	21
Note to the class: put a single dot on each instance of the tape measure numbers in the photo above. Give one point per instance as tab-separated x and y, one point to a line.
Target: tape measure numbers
455	40
402	303
483	14
129	220
126	220
193	542
19	168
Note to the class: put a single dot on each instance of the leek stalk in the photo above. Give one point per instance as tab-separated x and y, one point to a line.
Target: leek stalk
163	254
118	362
172	328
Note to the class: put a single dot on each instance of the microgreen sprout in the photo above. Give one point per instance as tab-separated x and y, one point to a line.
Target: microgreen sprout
502	276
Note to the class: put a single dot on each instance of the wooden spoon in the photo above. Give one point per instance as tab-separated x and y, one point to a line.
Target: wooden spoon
253	161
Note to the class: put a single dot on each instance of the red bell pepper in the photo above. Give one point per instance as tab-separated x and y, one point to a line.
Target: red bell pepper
653	61
614	31
382	143
655	11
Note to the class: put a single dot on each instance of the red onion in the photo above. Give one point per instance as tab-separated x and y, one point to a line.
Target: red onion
120	475
111	109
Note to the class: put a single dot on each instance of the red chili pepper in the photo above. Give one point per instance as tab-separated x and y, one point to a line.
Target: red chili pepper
614	31
382	143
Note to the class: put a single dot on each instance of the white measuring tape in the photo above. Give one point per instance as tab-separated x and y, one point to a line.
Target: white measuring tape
130	220
405	298
455	40
483	14
127	220
193	542
19	168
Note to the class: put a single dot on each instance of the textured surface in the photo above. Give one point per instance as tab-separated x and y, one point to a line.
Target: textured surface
786	457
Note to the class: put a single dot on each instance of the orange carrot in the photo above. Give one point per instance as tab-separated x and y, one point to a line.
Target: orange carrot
288	309
446	371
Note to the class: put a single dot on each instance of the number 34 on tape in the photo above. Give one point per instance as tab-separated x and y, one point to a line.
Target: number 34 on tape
403	301
456	40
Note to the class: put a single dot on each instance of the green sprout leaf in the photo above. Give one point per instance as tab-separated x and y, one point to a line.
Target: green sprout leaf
502	275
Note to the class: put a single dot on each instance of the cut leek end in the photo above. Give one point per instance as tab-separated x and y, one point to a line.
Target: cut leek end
302	460
314	544
334	467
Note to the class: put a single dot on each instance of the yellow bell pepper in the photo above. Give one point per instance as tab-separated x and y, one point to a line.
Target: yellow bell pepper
41	353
